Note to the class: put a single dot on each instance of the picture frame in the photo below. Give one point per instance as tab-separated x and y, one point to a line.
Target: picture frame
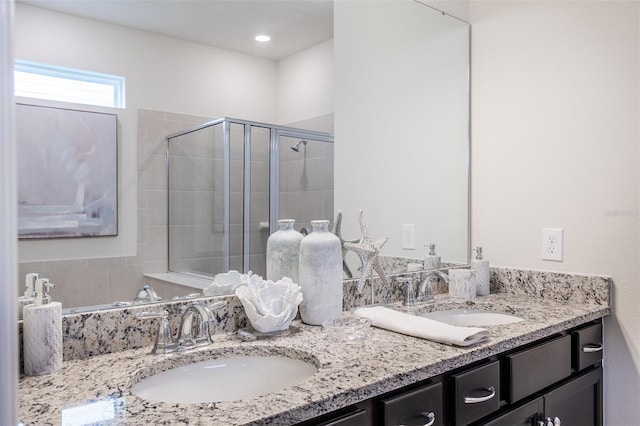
67	172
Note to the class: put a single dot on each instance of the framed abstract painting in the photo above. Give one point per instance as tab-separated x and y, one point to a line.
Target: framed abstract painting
67	172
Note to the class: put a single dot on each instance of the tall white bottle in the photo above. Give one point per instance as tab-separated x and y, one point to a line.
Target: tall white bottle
320	274
42	333
482	273
283	250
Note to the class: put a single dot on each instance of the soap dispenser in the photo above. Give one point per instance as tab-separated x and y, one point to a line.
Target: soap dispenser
29	292
431	261
482	273
42	332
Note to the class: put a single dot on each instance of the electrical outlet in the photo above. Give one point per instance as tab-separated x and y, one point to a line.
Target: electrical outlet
409	236
552	244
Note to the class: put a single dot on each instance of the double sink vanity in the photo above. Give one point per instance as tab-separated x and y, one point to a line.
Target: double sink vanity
536	369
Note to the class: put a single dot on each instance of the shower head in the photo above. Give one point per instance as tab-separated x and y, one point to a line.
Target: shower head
296	147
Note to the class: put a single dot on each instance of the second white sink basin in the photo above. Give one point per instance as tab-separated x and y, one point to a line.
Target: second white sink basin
224	379
466	317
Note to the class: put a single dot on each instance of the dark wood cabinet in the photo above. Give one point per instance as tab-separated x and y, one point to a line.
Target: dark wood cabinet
422	406
476	393
524	415
529	386
535	368
587	346
357	418
577	402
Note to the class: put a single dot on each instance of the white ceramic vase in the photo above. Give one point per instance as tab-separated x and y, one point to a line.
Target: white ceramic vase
320	274
283	247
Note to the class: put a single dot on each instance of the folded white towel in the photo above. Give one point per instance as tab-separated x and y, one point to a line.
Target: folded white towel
423	327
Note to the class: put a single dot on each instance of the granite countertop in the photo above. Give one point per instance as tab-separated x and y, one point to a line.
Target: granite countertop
348	372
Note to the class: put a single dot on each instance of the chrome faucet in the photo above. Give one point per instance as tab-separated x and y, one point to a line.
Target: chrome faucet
424	291
190	334
147	294
425	288
198	334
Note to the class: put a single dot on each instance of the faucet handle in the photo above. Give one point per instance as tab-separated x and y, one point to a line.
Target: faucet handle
164	341
408	291
147	294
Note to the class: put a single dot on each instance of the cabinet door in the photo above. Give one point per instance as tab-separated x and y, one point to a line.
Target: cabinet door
577	402
422	406
526	415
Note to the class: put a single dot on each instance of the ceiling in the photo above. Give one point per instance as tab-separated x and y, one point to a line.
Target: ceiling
293	25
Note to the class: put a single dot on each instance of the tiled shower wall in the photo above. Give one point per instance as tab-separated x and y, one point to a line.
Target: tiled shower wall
306	183
85	282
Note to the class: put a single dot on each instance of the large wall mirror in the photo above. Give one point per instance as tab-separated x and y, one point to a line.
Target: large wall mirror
393	90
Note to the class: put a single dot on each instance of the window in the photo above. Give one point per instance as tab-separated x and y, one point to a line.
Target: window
44	81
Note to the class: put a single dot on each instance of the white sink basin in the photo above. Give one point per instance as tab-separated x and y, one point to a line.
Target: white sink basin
471	317
224	379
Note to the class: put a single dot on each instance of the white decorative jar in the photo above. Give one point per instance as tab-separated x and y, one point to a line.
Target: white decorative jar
320	274
283	248
462	284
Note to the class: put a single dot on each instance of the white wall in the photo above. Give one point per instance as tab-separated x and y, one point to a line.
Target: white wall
305	84
457	8
162	73
555	131
401	118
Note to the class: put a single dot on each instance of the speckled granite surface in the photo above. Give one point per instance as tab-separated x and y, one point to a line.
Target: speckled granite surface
348	372
113	330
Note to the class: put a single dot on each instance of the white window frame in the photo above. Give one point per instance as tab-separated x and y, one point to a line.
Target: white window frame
68	76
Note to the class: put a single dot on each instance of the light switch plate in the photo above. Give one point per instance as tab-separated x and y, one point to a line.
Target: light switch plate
552	244
409	236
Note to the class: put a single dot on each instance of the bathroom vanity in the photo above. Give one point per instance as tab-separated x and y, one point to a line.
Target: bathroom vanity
559	377
528	370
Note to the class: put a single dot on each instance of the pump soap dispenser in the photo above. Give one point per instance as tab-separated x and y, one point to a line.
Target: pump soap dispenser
431	261
29	292
482	273
42	333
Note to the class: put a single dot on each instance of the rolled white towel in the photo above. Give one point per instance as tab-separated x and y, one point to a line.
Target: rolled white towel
423	327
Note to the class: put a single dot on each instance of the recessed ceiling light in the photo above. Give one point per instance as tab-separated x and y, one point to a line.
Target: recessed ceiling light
262	38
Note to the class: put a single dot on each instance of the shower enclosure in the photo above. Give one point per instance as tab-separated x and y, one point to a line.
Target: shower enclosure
229	182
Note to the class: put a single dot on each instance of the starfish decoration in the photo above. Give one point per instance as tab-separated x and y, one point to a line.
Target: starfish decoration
337	231
368	250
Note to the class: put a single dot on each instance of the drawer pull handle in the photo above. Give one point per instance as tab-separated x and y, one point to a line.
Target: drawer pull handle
429	415
592	347
472	400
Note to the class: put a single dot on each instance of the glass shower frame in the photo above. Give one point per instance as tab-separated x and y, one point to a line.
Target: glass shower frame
276	133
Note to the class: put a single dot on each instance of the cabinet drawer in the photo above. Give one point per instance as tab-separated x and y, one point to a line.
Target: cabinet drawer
477	393
538	367
587	346
357	418
422	406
